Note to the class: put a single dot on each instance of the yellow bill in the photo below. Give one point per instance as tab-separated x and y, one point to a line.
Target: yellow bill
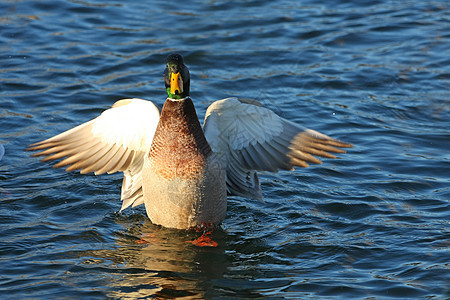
176	84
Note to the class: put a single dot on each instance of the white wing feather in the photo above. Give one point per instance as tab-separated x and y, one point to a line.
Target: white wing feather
247	137
117	140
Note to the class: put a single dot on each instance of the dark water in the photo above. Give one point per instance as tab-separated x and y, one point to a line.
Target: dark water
373	224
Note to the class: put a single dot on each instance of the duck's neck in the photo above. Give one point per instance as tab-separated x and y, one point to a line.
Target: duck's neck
179	147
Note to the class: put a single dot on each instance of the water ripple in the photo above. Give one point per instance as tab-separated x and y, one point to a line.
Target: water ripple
371	224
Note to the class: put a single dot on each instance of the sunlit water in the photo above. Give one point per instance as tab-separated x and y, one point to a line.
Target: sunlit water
372	224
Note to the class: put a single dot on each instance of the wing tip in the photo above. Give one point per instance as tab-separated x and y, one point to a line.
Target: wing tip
35	146
342	144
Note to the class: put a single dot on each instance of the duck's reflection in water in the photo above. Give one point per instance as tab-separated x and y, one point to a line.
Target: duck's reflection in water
161	263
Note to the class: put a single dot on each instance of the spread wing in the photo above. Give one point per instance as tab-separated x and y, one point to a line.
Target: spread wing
115	141
247	137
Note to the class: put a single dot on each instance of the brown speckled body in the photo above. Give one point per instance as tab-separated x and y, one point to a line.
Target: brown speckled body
183	182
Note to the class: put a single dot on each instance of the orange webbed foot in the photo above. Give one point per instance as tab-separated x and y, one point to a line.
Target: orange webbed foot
205	239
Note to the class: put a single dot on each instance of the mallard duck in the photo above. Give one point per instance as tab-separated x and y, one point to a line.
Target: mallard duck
181	172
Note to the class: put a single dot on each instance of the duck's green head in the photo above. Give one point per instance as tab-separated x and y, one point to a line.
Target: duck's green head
176	77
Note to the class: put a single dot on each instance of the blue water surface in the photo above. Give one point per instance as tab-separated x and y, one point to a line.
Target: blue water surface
372	224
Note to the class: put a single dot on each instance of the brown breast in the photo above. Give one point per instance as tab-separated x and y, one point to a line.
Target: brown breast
179	147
